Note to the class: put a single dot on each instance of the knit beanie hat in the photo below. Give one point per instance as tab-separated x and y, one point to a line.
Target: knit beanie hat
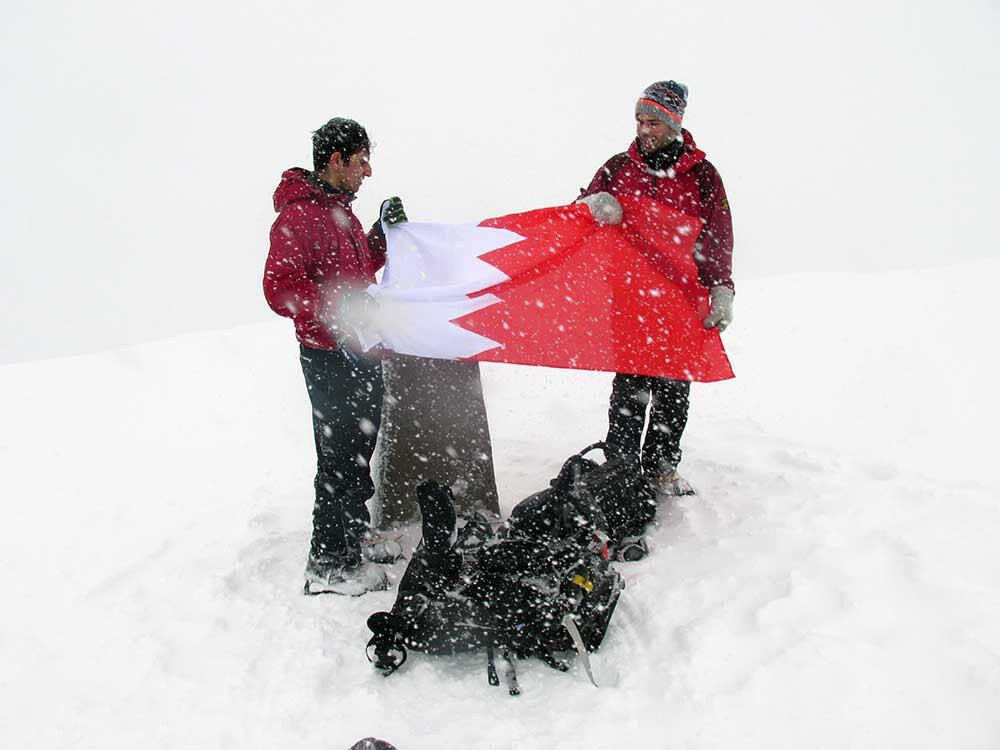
664	100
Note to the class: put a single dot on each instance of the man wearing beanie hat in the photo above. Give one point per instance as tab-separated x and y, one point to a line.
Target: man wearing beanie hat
663	163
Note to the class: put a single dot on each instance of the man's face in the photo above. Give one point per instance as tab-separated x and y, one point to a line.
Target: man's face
349	175
653	133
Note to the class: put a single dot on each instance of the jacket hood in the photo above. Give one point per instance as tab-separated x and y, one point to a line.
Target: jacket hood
298	184
688	158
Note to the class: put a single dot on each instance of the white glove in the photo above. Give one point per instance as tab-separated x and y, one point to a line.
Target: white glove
604	207
346	313
721	314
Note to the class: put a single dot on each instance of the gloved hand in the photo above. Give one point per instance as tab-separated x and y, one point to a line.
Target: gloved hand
392	212
344	312
604	207
721	314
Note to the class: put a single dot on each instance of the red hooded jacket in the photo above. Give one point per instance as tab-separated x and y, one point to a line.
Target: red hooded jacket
692	186
318	251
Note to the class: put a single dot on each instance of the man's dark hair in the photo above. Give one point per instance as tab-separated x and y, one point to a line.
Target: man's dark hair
339	134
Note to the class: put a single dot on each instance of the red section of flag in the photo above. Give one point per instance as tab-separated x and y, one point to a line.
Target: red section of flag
615	298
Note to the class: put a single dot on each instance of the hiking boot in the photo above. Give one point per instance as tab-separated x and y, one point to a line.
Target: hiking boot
670	484
325	576
377	549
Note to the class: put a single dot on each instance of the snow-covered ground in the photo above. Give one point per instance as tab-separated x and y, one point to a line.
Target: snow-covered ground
836	583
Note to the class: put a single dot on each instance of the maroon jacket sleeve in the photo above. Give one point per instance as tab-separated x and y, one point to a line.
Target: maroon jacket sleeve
287	287
602	180
714	250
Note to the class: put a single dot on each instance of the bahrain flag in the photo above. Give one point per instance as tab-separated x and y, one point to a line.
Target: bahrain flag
552	288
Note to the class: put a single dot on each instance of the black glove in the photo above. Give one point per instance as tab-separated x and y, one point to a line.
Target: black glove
392	212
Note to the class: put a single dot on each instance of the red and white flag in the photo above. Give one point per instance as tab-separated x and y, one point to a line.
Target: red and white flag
551	287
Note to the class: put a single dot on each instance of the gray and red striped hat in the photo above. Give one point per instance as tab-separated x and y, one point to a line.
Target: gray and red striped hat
664	100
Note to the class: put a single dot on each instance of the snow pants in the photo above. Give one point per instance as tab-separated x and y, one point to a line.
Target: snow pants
667	402
345	391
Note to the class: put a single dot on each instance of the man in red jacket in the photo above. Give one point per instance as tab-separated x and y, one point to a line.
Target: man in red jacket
663	163
320	260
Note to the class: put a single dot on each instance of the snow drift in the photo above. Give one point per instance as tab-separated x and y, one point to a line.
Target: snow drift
835	583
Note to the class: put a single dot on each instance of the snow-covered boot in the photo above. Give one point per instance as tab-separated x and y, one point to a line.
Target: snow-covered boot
326	576
668	483
378	549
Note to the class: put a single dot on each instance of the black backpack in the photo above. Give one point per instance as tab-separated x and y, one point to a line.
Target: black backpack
518	594
587	498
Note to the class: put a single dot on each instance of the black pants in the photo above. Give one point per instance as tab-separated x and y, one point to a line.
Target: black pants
667	402
346	397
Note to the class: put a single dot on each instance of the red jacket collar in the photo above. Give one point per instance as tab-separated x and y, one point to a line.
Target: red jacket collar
298	184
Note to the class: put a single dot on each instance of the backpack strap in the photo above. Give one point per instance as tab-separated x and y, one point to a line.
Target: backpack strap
576	465
569	475
510	673
570	624
549	658
491	667
609	449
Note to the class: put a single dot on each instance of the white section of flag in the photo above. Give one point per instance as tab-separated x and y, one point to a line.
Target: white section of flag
430	271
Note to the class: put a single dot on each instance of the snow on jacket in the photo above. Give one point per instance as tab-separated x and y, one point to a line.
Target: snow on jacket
692	186
318	250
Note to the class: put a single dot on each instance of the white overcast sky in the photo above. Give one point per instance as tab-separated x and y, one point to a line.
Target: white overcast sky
141	143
